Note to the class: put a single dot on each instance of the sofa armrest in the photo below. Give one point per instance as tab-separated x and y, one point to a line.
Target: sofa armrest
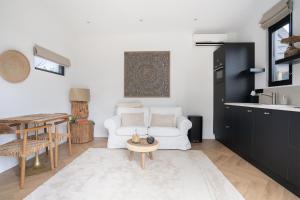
112	123
183	124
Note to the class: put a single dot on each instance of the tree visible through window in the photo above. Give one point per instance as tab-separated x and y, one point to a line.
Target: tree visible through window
279	74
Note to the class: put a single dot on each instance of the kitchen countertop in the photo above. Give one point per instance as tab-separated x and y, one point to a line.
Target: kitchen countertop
267	106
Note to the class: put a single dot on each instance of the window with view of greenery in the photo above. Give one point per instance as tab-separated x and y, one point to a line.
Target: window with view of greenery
48	66
279	74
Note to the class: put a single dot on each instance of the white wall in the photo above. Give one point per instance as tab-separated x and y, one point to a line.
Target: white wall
252	31
99	65
22	24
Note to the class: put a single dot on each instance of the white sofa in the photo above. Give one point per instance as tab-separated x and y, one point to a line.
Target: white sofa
169	137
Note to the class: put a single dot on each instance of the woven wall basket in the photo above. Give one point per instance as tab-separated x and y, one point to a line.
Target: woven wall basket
14	66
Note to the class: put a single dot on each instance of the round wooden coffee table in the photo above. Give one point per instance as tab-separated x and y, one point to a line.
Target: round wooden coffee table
144	148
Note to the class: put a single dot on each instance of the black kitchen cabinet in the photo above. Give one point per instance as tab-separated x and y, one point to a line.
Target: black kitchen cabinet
219	66
270	141
232	63
243	124
239	58
228	126
294	151
232	80
219	112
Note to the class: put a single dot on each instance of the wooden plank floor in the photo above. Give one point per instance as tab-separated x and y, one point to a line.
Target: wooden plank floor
252	183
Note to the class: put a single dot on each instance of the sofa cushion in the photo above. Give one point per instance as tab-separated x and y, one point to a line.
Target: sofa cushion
163	120
129	131
132	119
122	110
163	131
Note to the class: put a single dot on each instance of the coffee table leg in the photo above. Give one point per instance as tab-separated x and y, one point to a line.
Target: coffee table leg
143	160
131	155
150	155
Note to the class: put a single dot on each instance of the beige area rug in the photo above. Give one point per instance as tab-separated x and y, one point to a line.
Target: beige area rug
107	174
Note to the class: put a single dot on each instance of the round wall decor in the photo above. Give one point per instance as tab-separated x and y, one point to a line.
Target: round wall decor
14	66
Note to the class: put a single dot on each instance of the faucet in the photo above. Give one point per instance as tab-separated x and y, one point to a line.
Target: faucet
272	95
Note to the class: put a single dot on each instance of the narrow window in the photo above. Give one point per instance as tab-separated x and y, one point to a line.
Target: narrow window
48	66
279	74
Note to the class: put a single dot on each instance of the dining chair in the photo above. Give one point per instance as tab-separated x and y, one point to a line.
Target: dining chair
58	137
25	146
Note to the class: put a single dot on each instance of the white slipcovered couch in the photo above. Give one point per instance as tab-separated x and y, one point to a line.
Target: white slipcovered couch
169	137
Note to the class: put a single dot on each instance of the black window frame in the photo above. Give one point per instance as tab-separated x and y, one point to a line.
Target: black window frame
287	20
61	70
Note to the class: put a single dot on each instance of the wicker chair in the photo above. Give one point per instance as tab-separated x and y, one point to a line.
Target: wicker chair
22	148
57	138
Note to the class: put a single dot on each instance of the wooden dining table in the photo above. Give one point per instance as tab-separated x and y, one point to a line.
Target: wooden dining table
34	118
25	121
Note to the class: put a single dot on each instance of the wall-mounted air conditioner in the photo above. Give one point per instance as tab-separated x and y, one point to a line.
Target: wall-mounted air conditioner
209	39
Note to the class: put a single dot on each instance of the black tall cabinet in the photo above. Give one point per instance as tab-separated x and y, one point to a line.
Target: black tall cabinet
233	81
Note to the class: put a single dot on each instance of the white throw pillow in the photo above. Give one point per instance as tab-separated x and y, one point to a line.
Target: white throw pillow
132	119
159	120
122	110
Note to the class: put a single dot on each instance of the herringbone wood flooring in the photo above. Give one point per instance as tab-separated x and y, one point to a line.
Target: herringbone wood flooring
252	183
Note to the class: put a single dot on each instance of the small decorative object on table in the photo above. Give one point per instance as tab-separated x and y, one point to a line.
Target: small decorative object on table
135	138
150	139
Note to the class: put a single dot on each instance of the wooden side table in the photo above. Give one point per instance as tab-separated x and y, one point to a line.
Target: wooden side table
144	148
82	132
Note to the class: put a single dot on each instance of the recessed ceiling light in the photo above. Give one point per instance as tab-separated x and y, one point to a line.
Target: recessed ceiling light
141	20
195	19
88	22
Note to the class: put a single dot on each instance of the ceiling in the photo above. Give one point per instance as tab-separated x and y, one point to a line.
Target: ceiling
205	16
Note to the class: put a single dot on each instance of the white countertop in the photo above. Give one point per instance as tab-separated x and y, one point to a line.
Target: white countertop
265	106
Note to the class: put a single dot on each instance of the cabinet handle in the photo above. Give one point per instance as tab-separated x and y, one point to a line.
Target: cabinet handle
218	69
227	127
267	113
227	107
249	111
